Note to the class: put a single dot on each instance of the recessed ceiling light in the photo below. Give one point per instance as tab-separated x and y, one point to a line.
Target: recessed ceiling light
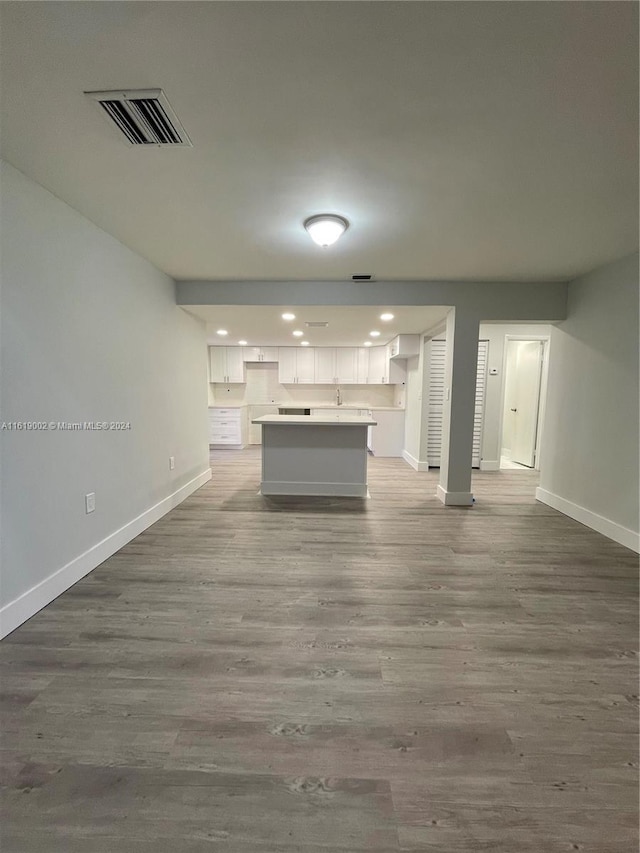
326	228
304	343
288	316
298	333
386	316
374	334
368	343
242	343
222	332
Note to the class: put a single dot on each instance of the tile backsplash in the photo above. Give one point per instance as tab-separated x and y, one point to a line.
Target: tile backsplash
262	386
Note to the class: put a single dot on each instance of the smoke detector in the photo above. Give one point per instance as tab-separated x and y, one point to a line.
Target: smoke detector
143	116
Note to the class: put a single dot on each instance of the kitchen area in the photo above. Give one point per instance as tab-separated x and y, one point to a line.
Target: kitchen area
251	382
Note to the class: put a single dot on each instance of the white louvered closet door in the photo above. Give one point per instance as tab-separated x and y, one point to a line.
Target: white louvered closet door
436	401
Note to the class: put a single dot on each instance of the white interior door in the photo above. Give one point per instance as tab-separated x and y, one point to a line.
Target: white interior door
524	399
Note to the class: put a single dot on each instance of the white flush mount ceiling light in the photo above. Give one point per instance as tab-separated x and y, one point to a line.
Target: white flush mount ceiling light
326	228
242	343
304	343
374	334
298	333
288	316
367	343
386	316
222	332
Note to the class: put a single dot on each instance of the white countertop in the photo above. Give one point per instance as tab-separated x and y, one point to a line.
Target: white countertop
318	406
323	406
316	420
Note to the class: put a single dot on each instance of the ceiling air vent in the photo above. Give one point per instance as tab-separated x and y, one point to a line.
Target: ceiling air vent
143	116
316	324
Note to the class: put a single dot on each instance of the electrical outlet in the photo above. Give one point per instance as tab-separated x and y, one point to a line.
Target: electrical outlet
90	502
172	463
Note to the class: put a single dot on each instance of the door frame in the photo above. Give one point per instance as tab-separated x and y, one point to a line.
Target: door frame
542	403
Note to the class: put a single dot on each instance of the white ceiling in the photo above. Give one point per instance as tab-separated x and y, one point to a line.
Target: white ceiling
463	140
349	325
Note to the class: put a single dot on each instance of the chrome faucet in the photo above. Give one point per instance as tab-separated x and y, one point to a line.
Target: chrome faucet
338	397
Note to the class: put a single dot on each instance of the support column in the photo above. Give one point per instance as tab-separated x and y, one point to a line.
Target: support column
461	366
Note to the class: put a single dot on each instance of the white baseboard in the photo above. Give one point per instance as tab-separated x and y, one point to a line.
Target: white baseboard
30	602
284	487
454	498
489	464
415	463
628	538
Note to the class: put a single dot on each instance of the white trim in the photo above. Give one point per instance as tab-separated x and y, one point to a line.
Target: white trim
415	463
489	464
454	498
30	602
628	538
343	490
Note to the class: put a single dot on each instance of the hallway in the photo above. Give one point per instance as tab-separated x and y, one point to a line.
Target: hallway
258	675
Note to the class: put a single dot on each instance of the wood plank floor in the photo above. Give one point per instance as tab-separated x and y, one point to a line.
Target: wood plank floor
317	675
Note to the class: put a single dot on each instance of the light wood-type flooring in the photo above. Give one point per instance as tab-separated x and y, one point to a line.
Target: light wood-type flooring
255	675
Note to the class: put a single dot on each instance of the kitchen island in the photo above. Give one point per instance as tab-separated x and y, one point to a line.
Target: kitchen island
314	454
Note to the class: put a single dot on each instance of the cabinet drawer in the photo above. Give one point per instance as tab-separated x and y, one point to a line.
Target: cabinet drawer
225	429
224	414
224	438
224	423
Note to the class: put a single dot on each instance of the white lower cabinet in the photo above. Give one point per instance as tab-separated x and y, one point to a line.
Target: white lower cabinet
387	437
254	431
228	427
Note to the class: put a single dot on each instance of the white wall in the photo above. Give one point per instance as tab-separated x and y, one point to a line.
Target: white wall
590	444
90	332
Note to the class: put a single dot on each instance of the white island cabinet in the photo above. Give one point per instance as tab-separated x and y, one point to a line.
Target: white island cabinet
314	454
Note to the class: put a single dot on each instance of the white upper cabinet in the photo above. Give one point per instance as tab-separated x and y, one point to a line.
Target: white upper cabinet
305	365
296	366
362	366
347	365
382	370
226	365
325	365
260	353
404	346
337	365
378	372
